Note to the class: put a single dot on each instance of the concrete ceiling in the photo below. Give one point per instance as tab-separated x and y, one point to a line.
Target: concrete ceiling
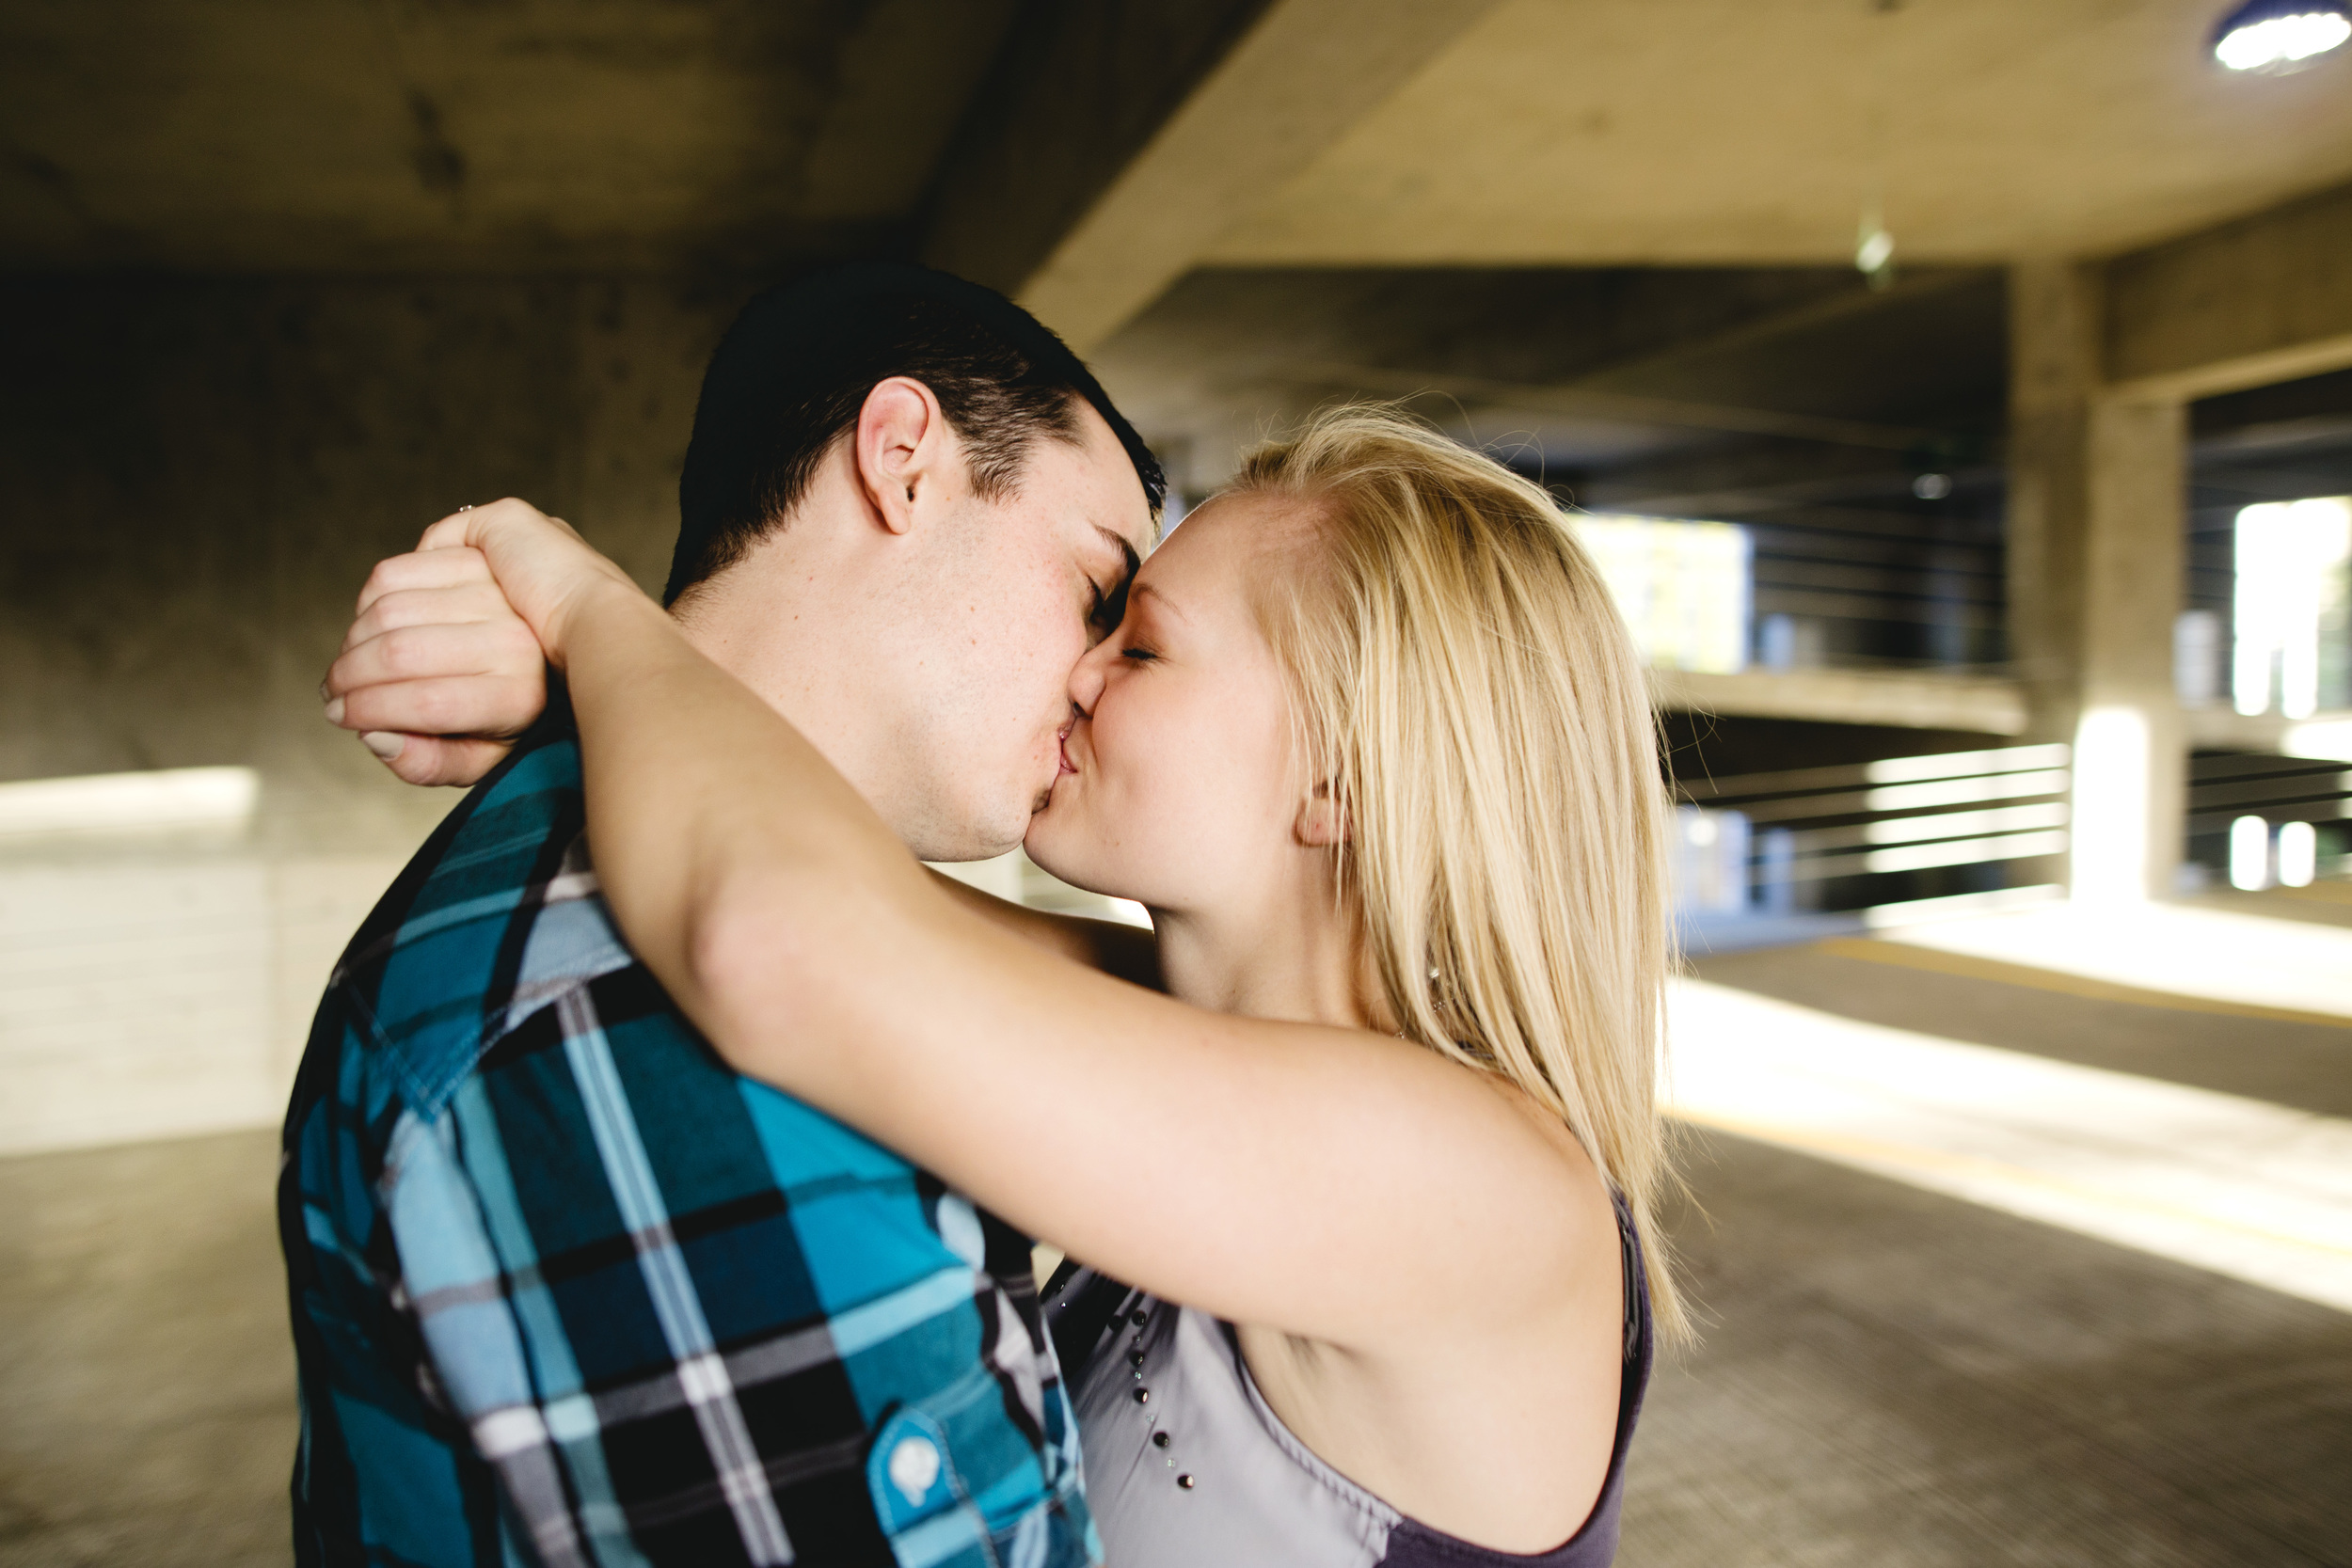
289	135
1681	132
1583	371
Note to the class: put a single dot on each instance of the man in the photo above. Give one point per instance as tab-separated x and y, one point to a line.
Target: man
564	1289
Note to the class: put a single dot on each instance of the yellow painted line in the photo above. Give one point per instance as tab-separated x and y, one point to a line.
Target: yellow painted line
2325	893
1867	1153
1903	955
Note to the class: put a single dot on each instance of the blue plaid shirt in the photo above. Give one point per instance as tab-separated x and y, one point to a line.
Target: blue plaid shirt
567	1290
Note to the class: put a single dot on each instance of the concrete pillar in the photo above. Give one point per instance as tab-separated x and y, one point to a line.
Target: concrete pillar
2131	756
2097	492
2054	378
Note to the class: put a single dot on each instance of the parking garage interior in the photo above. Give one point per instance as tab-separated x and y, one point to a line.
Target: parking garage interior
1998	595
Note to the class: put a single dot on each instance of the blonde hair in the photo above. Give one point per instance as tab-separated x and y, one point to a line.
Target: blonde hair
1463	682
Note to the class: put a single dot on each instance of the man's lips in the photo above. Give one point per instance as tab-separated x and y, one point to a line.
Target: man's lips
1062	752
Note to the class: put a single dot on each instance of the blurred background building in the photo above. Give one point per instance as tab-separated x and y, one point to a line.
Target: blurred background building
1958	394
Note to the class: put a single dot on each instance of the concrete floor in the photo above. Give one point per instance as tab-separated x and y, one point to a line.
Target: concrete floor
1896	1379
146	1382
1891	1378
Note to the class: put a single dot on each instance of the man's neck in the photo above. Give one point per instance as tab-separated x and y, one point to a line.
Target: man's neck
772	628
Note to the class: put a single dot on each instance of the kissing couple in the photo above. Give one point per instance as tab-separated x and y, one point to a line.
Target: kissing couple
661	1178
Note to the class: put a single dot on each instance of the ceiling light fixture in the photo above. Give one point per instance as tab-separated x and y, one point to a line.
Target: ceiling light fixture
2276	38
1874	250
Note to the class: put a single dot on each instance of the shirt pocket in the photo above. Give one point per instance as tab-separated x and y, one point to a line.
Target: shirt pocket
921	1499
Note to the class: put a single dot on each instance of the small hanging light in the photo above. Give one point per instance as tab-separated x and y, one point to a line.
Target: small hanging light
1874	251
2276	38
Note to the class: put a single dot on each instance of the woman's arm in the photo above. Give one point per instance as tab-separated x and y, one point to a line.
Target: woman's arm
1325	1181
439	674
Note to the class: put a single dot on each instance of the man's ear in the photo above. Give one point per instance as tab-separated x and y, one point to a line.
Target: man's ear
1322	821
900	445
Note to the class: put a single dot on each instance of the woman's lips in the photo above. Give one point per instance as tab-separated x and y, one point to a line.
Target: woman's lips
1063	744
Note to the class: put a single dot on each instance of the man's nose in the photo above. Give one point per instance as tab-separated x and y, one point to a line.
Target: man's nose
1085	680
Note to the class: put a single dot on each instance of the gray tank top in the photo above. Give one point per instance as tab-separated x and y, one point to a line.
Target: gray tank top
1187	1466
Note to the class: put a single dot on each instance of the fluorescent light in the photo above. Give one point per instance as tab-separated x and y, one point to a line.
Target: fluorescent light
2276	37
166	800
2298	854
2250	854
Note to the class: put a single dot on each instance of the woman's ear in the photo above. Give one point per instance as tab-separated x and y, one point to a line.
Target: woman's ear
900	440
1322	820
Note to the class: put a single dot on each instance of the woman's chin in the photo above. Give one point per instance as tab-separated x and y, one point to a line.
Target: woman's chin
1053	848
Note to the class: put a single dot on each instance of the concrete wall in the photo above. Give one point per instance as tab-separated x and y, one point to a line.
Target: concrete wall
196	476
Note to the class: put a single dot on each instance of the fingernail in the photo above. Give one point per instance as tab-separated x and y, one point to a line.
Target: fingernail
324	693
384	743
334	710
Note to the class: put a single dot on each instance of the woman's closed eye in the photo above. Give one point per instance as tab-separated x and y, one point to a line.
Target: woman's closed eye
1139	653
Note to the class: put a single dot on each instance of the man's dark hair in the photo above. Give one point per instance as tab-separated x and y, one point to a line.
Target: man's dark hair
795	369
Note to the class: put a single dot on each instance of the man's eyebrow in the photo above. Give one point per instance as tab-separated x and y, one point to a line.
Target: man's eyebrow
1126	550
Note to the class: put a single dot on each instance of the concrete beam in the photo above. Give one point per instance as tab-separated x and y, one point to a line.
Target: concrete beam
1912	699
1077	91
1087	199
2327	735
2265	299
1600	403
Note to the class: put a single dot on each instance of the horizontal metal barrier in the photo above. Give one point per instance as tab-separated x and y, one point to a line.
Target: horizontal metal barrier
1767	840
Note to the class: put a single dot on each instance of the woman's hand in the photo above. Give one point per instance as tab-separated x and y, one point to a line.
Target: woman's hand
440	671
543	567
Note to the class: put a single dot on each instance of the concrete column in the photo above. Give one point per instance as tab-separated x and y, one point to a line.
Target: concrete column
2131	759
2054	376
2097	492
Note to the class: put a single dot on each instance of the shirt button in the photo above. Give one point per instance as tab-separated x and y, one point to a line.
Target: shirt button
1185	1481
913	1466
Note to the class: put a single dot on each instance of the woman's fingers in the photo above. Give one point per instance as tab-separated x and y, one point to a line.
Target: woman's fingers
433	759
436	650
424	569
466	604
540	562
460	707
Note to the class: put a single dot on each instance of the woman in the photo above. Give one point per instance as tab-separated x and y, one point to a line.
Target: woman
1373	747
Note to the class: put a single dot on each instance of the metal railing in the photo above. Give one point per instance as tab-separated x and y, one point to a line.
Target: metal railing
1870	834
2261	820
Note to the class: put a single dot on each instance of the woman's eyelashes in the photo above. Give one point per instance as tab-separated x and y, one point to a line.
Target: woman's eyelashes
1137	652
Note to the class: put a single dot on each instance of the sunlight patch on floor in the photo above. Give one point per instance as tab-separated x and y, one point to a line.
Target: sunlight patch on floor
2252	1190
2216	954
